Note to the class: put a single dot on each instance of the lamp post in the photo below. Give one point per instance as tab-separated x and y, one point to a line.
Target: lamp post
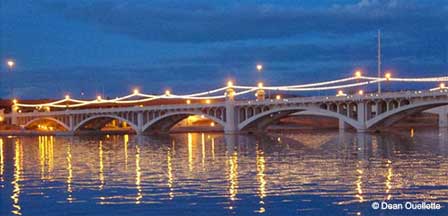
260	79
10	64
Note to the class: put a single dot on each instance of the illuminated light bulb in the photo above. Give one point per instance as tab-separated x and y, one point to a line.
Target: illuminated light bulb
278	97
208	101
259	67
98	97
188	101
10	63
212	124
442	85
14	101
167	92
67	97
230	83
340	93
260	85
388	76
358	74
361	92
136	91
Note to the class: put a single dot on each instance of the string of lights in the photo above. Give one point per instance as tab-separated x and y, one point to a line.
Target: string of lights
237	90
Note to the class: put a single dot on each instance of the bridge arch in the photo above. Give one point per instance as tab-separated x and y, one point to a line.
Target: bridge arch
394	115
83	122
278	113
176	117
65	126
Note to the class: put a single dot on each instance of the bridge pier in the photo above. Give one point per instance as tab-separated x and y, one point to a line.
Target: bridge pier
342	125
362	117
231	127
14	109
443	118
139	123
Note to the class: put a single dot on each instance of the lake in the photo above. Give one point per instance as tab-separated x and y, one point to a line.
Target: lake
283	173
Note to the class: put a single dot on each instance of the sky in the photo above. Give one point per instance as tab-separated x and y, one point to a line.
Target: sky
110	47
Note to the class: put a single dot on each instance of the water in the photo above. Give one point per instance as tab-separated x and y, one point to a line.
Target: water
299	173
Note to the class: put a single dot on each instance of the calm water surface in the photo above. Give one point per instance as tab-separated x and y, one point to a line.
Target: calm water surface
299	173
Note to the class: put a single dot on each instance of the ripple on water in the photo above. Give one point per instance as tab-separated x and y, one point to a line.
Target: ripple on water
279	173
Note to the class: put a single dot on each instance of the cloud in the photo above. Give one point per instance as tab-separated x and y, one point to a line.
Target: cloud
180	21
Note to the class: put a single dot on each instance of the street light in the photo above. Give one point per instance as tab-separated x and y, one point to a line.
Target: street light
167	92
10	63
358	74
388	76
259	67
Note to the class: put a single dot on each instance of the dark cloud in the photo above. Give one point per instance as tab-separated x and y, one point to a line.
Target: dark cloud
180	21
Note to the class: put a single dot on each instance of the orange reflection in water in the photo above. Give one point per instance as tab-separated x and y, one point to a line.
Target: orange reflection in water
138	175
2	159
69	174
261	178
18	154
233	175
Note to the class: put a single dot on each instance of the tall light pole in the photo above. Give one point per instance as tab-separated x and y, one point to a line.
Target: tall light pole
259	70
379	61
10	63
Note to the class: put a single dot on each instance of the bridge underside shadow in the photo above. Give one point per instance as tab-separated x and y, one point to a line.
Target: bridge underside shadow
107	124
167	124
46	124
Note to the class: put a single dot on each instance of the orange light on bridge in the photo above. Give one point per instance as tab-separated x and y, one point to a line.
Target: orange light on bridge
260	85
442	86
259	67
388	76
136	91
358	74
229	83
98	97
208	101
361	92
14	101
188	101
67	97
278	97
341	93
1	118
167	92
212	124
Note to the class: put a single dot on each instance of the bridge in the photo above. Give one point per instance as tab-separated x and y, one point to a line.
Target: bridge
361	111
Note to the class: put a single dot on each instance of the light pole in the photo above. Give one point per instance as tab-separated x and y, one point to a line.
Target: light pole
260	79
10	63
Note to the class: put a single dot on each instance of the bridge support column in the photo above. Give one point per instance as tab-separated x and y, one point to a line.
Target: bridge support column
342	125
14	109
231	121
362	117
231	126
443	120
139	123
71	124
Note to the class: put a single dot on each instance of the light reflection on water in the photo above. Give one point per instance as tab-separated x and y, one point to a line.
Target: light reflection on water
196	173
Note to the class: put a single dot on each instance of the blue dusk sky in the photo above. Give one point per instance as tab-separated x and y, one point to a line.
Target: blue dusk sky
110	47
